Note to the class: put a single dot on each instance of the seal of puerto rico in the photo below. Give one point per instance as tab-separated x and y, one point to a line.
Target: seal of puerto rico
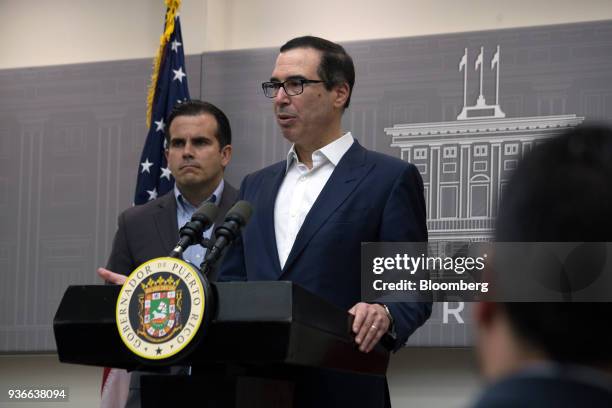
161	307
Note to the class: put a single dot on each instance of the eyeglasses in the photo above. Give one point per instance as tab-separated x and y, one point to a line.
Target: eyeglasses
292	87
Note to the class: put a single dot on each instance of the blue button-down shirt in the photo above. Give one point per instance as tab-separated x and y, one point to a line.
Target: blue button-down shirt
184	210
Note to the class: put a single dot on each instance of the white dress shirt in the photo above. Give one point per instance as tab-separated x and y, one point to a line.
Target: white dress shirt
300	189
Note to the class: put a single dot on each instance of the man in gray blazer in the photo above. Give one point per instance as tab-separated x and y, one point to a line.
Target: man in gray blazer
198	150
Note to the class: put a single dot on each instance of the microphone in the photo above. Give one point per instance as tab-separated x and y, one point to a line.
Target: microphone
191	232
235	219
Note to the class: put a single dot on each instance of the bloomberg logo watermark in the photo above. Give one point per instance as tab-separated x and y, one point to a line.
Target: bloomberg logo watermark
475	271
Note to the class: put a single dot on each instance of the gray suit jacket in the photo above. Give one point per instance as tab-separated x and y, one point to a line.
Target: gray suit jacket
150	230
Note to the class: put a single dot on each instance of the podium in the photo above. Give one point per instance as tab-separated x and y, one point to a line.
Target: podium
262	337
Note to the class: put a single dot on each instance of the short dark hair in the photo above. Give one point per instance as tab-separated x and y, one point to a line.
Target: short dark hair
562	192
336	65
195	107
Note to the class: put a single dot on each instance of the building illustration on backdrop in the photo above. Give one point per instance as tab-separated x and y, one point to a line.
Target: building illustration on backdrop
466	163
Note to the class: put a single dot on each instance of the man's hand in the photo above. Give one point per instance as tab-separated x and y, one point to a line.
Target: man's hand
370	323
111	277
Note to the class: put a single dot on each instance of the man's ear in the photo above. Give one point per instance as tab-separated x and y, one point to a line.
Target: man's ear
226	155
343	92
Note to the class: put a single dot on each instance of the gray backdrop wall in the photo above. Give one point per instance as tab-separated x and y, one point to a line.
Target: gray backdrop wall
70	140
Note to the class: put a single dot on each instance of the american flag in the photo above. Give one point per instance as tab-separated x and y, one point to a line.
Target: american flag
169	85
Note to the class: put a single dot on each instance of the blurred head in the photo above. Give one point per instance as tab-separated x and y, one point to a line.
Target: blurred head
198	146
560	192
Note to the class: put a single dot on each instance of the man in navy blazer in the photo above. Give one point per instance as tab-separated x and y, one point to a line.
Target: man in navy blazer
313	210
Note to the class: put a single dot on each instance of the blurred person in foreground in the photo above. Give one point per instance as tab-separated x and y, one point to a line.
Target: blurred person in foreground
552	354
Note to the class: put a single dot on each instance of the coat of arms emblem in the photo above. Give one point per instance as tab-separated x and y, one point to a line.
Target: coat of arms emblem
160	307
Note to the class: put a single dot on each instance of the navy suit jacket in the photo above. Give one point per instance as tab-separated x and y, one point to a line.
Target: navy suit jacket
564	387
369	197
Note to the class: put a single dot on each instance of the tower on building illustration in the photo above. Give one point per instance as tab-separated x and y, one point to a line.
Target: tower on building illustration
466	163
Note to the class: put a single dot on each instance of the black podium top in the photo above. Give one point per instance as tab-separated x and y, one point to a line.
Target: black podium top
261	323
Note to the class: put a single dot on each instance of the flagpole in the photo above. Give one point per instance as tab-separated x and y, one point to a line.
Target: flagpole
465	80
497	79
481	64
